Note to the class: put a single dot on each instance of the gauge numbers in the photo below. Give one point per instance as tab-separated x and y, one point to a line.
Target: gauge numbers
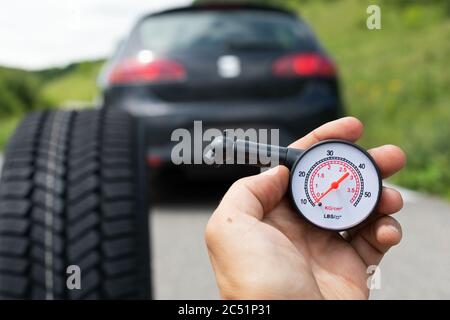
335	185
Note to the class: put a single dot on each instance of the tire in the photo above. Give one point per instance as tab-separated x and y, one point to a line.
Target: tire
73	192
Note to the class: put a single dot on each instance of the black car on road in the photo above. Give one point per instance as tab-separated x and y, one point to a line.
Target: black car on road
230	66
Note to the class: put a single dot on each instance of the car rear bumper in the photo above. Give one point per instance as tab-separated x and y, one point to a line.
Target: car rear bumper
292	117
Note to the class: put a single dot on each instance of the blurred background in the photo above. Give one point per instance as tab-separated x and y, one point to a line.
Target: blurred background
395	80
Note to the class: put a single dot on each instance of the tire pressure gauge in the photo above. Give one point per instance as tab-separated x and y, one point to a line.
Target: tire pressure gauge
334	184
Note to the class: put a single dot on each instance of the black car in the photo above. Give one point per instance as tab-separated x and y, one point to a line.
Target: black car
230	66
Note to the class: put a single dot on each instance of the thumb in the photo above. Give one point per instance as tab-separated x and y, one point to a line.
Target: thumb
256	195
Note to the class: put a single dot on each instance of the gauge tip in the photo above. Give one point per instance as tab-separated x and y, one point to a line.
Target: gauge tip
220	150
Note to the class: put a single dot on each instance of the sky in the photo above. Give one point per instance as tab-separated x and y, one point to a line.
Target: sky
37	34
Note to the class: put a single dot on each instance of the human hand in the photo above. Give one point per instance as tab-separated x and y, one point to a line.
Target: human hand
260	247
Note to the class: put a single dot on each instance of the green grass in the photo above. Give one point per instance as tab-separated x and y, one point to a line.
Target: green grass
7	126
77	85
22	91
395	80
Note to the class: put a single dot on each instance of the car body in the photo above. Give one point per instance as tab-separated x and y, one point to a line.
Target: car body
229	66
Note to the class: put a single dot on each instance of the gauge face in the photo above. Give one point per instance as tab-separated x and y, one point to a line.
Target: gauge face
335	185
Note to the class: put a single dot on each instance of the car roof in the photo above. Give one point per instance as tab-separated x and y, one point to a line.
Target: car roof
219	7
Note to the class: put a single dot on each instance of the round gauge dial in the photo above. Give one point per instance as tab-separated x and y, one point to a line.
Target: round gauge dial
335	185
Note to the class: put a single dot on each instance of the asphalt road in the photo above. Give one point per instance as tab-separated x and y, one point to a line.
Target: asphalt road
419	268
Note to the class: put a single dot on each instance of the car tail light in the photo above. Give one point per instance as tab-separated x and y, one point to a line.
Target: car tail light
134	70
154	161
304	64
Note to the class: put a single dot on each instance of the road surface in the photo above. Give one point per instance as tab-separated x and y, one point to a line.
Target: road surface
419	268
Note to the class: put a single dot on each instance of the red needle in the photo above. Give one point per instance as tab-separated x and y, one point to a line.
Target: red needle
334	185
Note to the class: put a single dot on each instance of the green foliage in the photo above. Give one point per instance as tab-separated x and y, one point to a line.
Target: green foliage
7	126
444	5
19	92
22	91
77	82
395	79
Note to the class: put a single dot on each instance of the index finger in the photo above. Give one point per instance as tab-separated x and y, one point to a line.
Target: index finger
348	128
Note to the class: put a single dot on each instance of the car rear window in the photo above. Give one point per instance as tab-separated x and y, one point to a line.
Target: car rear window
216	30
